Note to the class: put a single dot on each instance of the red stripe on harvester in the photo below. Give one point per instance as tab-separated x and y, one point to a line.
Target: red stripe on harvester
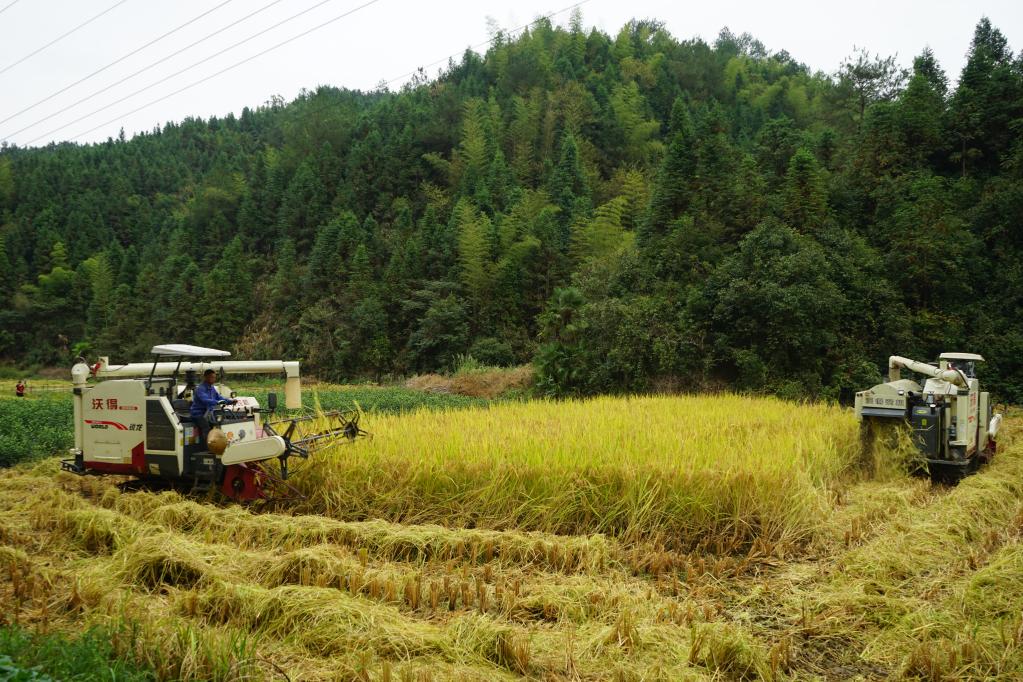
117	425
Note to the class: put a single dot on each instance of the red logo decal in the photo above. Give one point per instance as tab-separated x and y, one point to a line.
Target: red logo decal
117	425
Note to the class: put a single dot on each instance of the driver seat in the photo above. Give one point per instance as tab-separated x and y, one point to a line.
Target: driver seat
181	408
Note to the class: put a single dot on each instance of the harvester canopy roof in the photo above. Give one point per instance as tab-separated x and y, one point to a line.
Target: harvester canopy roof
187	351
961	356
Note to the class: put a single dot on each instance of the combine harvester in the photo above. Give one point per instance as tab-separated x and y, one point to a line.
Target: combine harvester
950	417
134	420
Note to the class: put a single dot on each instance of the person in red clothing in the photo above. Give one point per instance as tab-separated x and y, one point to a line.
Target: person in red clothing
19	390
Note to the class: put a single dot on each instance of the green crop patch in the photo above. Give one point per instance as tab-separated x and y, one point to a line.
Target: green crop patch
37	427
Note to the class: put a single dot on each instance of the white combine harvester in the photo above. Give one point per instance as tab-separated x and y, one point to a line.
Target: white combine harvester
952	421
135	420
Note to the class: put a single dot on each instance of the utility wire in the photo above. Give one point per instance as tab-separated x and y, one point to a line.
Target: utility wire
484	43
179	72
136	73
62	35
226	69
113	63
10	5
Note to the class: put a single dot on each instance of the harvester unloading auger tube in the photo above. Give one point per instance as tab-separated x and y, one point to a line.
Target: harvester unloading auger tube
135	420
951	418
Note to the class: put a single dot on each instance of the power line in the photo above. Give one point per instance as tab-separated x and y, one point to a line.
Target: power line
10	5
136	73
113	63
229	68
62	36
176	73
484	43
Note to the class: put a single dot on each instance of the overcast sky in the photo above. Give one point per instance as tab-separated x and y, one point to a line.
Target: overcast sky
380	42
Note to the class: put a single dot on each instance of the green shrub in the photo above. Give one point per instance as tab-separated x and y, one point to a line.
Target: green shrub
28	657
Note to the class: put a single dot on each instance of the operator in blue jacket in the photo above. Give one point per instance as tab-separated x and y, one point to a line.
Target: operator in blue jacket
205	398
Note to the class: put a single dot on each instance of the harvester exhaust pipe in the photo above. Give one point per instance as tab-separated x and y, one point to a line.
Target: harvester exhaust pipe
952	376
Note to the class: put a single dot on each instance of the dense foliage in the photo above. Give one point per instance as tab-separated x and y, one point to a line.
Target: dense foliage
629	212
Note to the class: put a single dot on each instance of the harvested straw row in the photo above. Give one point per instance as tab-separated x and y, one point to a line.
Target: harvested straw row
937	579
149	557
329	622
165	578
949	530
380	539
321	621
326	621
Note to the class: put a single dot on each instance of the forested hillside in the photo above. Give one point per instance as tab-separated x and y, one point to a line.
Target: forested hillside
629	212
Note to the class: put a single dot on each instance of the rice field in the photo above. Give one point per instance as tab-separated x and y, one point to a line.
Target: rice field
679	471
751	542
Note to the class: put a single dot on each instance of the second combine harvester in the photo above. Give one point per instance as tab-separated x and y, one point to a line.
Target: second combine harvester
951	418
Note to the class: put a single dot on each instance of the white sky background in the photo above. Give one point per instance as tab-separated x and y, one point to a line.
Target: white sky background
391	38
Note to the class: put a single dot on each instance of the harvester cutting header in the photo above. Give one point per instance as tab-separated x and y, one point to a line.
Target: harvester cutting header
145	420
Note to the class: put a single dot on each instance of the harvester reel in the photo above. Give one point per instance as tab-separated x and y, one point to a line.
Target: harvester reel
340	426
352	430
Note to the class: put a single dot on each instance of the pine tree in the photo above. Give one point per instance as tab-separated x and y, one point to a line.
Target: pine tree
326	262
440	241
926	65
441	335
568	186
805	195
672	191
522	136
128	266
254	215
283	285
226	304
749	198
921	110
7	184
500	182
988	98
303	207
183	304
716	166
361	281
58	257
